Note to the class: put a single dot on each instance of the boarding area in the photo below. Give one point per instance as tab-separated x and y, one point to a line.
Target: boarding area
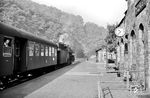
86	80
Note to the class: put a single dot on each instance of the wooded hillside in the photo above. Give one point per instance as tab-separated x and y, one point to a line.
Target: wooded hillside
53	24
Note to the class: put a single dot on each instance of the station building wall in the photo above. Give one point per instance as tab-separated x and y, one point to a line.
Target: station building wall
137	26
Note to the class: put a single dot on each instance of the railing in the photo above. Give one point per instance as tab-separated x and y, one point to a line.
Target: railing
106	91
132	84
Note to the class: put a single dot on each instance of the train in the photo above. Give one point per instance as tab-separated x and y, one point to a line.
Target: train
23	54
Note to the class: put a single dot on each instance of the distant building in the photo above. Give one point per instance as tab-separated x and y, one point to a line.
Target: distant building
101	55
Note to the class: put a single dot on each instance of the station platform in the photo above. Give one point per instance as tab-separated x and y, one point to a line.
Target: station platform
86	80
79	82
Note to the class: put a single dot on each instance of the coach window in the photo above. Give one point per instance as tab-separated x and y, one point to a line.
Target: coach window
53	51
37	51
46	51
42	50
31	48
7	47
50	51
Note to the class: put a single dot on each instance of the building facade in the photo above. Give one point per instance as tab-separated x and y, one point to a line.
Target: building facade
134	46
101	55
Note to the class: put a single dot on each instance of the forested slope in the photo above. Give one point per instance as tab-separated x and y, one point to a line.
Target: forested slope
52	23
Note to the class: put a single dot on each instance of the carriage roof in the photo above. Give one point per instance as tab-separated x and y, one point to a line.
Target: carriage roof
15	32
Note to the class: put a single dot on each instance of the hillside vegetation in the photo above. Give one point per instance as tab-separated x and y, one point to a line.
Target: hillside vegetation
52	24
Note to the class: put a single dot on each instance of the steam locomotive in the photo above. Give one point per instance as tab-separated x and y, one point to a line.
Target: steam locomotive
23	54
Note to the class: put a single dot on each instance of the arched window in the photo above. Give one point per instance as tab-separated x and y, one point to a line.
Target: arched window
122	40
133	42
126	48
133	36
141	27
126	36
141	55
141	32
118	44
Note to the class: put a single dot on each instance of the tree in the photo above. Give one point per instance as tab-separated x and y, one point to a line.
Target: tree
111	38
49	22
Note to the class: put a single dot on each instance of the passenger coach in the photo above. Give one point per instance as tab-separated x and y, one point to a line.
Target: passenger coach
22	52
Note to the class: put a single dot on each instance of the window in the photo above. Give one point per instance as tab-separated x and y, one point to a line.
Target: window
7	47
122	40
42	50
126	48
46	51
37	51
53	51
50	51
7	42
126	36
31	48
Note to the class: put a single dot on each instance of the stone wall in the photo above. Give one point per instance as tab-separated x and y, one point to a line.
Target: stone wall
138	29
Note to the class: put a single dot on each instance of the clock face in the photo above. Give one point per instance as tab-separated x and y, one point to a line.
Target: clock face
119	32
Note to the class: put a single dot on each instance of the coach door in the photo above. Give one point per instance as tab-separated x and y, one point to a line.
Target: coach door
19	55
6	56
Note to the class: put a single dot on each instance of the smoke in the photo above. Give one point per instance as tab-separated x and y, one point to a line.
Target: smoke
63	38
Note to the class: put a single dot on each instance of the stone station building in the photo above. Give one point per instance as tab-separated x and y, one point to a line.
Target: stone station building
133	49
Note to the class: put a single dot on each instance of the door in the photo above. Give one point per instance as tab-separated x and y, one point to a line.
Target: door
6	61
19	55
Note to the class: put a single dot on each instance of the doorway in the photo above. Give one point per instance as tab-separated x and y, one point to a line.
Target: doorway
19	55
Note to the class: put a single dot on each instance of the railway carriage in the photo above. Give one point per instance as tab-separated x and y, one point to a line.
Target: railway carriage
22	52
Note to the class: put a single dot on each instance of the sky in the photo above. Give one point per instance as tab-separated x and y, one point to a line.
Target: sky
101	12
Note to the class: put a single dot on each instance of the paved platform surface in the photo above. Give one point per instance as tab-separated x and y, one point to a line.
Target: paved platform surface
86	80
116	85
80	82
